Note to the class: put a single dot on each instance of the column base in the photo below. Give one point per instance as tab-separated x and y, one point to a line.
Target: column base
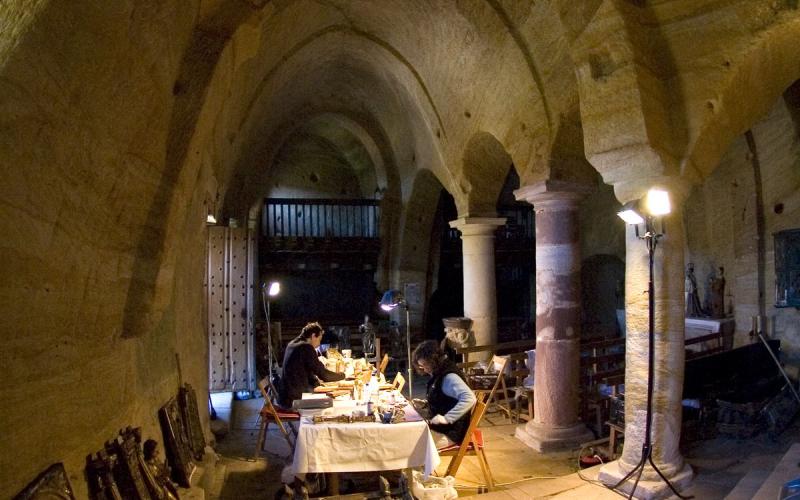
546	439
649	487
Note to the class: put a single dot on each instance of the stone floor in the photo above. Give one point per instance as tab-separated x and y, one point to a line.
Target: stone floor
520	472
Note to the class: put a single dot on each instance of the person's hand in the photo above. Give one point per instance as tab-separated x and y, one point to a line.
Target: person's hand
439	420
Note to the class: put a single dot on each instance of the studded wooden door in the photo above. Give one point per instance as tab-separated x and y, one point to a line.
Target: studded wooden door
231	252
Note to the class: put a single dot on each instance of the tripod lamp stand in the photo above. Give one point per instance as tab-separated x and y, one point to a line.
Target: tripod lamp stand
273	290
648	212
390	300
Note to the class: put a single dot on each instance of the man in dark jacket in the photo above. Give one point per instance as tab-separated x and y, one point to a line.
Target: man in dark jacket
302	369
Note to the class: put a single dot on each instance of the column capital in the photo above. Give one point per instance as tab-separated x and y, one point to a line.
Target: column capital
553	193
677	187
472	226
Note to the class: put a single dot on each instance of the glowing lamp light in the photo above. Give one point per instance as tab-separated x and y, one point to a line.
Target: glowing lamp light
274	288
392	299
657	202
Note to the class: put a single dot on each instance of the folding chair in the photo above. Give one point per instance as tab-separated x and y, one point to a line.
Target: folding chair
519	372
270	413
384	363
498	364
472	445
399	382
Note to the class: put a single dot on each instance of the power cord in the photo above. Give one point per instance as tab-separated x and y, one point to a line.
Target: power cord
593	481
478	487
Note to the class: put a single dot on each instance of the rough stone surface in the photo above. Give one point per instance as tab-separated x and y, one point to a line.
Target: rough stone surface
123	124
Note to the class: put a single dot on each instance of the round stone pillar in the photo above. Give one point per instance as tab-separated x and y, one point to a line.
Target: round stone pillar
555	425
480	289
668	272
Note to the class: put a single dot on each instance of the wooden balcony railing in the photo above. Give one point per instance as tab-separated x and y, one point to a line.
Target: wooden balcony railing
320	218
518	231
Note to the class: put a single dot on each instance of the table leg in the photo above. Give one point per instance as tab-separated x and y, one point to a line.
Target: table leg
409	472
612	442
333	483
530	404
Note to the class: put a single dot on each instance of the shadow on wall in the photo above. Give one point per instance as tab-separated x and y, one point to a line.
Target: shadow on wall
602	294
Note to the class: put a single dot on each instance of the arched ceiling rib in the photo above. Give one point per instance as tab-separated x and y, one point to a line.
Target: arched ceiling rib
348	85
443	76
317	37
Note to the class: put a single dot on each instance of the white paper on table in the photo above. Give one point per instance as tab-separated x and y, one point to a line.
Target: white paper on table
312	395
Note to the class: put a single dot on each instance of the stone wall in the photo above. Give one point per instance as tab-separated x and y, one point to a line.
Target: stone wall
721	222
123	123
103	246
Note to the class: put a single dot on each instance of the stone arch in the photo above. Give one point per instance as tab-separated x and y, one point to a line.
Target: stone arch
630	113
415	229
319	37
566	160
375	148
771	66
415	245
199	68
265	133
484	168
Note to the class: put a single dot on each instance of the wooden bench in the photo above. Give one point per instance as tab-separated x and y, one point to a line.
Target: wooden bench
515	373
603	365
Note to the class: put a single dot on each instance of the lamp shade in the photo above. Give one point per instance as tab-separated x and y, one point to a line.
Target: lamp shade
631	213
392	299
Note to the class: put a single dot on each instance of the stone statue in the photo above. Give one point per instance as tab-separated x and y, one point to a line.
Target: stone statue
457	333
693	307
367	337
717	287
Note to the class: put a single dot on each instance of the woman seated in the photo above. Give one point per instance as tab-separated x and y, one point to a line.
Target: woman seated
449	398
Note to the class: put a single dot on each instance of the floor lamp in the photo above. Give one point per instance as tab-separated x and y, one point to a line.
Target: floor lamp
648	212
273	290
390	300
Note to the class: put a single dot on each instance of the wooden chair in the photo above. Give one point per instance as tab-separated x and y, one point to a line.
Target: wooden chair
373	360
498	364
384	363
399	382
519	372
270	413
473	445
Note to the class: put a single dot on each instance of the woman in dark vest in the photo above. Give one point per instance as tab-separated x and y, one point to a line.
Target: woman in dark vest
449	398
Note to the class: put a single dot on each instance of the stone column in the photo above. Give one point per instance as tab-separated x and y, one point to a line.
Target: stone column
480	289
558	318
668	273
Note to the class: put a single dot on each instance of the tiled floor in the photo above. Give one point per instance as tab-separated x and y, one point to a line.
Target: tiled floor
519	471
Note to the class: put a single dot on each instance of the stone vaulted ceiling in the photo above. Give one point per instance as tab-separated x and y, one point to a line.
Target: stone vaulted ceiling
124	123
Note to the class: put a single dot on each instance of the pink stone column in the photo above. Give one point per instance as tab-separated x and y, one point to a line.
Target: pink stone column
480	288
558	318
669	356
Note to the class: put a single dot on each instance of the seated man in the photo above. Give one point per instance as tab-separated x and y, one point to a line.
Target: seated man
302	369
329	340
449	397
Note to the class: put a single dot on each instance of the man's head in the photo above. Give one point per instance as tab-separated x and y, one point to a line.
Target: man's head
313	333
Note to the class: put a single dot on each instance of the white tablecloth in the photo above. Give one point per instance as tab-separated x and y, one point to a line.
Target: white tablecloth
335	447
